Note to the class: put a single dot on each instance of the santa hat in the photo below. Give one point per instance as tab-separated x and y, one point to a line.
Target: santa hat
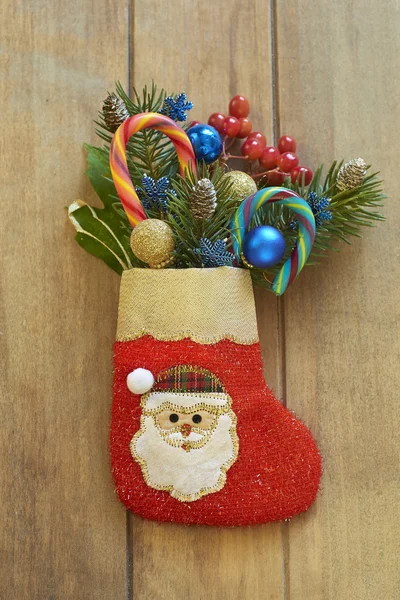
175	384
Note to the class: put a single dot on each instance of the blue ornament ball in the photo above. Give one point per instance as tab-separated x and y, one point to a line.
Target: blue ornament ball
206	142
264	246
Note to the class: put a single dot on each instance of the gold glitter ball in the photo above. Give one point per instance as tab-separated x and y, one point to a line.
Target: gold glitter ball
153	241
351	175
242	184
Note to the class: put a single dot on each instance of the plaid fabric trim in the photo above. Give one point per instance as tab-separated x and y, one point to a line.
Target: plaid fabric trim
183	378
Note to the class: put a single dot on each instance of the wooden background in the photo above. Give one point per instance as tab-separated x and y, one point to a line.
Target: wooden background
325	72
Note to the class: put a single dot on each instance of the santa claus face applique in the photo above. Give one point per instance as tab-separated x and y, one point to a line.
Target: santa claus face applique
187	439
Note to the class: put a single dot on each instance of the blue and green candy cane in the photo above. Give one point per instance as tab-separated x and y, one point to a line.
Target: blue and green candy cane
306	230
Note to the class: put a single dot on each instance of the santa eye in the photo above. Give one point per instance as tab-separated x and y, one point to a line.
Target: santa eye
174	418
197	419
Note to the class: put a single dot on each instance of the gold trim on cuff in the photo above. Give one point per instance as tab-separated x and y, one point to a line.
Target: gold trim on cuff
205	305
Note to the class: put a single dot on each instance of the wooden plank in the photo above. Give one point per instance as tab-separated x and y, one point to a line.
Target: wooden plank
211	51
63	530
338	73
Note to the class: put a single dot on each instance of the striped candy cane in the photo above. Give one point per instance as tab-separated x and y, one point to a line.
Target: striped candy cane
118	162
306	230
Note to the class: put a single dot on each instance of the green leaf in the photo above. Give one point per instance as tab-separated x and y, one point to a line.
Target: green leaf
97	233
103	232
96	248
99	174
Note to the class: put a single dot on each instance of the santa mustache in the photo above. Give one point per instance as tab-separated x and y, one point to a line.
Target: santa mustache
186	433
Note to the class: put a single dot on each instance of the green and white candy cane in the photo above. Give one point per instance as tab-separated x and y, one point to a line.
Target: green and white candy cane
306	230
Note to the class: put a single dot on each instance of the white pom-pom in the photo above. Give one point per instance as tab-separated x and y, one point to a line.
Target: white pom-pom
140	381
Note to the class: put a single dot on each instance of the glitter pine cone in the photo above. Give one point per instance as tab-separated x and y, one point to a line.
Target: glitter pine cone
203	200
114	112
351	175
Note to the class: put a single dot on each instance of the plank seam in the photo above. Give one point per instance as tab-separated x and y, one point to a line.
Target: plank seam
129	556
281	337
274	73
129	524
131	26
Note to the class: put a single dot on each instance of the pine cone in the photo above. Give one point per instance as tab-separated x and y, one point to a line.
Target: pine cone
351	175
114	112
203	200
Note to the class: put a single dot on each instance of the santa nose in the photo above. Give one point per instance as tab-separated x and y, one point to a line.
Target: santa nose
186	428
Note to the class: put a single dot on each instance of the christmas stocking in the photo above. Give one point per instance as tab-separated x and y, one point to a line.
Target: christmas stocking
196	435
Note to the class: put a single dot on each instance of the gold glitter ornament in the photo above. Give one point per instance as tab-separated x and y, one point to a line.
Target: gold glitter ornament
242	184
351	174
152	240
114	112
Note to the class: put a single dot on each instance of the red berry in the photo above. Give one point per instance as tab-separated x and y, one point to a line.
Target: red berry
252	149
299	172
269	157
287	161
245	127
257	135
239	107
276	177
287	144
216	120
193	123
231	127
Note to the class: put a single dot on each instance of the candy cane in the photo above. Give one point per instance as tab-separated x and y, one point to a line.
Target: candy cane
118	163
306	230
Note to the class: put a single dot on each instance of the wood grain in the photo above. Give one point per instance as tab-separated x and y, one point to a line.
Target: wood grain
62	529
330	347
212	51
338	72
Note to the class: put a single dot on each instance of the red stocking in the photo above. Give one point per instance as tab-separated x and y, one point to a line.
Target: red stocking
198	437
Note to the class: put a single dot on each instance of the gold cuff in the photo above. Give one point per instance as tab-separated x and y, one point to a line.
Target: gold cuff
205	305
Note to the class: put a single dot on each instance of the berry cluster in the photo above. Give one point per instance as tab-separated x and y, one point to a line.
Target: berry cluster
275	163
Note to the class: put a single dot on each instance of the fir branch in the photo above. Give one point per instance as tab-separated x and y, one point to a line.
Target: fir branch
351	210
148	151
187	229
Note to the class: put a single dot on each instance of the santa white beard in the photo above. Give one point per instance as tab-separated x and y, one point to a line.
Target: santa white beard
180	439
186	475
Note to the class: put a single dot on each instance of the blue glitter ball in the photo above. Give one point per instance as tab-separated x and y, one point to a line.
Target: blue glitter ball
206	142
264	246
